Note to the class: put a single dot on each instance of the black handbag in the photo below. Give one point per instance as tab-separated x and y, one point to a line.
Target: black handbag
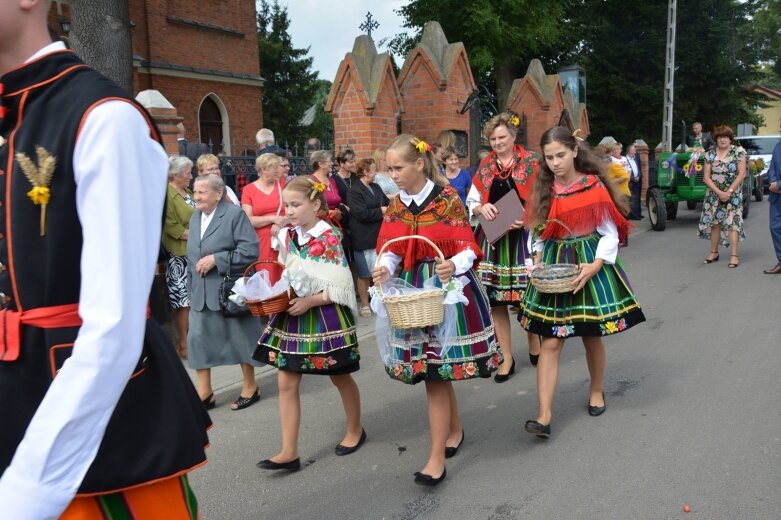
229	308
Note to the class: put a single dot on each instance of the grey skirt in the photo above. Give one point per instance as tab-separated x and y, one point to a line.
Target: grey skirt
214	340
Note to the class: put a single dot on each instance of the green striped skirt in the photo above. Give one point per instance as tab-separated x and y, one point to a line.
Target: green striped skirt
323	340
503	270
606	305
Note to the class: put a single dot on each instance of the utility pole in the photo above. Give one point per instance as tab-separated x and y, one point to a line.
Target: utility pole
669	76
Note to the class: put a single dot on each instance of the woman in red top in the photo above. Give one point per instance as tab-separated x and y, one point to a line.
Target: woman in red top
261	200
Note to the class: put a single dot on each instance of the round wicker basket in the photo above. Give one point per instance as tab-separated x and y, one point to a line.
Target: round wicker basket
556	278
269	306
423	308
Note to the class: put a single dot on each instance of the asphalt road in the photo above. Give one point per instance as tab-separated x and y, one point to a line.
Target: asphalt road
693	417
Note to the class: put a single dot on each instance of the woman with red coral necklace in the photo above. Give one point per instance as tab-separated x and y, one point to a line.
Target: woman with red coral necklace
503	270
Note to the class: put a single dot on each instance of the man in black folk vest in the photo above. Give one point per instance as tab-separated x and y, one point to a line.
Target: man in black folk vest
97	416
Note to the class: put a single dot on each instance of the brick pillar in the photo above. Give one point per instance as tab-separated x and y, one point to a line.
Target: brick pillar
165	117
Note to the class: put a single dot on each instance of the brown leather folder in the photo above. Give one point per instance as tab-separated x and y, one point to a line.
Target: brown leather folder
510	209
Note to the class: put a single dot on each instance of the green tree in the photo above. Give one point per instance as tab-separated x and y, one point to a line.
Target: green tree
322	125
290	83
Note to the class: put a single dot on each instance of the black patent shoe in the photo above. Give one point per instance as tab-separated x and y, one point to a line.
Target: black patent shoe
451	451
293	465
540	430
422	479
501	378
596	411
346	450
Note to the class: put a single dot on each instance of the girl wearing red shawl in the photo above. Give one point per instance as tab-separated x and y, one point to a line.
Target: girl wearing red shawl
503	269
427	205
573	189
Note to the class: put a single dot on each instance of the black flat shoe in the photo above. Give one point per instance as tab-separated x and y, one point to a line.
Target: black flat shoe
534	359
293	465
245	402
427	480
210	401
499	378
346	450
540	430
450	451
596	411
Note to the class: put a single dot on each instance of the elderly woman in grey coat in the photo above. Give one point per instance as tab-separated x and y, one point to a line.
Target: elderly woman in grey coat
217	230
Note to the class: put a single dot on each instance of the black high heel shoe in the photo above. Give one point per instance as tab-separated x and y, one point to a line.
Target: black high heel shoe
711	260
427	480
499	378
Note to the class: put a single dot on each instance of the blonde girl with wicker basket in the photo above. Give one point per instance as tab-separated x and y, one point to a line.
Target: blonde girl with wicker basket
578	217
316	335
429	207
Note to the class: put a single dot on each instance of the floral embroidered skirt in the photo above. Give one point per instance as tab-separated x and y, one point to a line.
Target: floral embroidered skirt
417	354
323	340
606	305
503	269
728	215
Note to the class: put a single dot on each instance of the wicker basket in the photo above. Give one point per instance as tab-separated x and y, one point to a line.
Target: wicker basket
269	306
556	278
419	309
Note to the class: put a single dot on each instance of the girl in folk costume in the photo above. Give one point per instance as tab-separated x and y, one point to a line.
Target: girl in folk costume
581	218
316	335
427	205
503	270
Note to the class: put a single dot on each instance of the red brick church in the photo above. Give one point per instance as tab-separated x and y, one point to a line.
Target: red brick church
204	60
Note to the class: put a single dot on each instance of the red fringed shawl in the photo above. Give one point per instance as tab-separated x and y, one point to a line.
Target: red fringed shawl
443	222
582	208
524	171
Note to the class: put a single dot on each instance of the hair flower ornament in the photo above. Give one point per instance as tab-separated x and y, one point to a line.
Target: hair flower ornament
515	121
421	146
317	187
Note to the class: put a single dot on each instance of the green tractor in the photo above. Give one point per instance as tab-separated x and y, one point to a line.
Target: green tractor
678	179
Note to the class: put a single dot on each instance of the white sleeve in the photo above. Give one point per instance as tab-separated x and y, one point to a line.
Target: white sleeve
391	261
463	261
473	200
120	173
607	249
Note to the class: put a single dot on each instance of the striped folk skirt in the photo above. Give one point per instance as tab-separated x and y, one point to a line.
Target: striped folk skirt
171	498
606	305
503	269
418	354
323	340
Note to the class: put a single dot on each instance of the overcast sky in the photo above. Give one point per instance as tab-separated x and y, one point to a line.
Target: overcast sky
330	28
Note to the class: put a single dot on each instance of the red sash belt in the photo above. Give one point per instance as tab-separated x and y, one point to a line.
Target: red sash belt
11	322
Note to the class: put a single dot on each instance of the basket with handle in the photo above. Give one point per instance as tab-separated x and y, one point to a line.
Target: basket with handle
272	305
556	278
422	308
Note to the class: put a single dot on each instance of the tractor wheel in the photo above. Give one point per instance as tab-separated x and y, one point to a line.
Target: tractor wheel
672	210
657	213
758	194
691	204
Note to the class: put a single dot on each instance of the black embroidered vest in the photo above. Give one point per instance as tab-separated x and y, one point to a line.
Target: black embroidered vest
158	427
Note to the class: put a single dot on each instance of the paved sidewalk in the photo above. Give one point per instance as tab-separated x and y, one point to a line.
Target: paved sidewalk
227	377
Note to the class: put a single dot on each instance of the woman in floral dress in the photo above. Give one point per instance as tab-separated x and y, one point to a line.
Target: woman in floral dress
722	210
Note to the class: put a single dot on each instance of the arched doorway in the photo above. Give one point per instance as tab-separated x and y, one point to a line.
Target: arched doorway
211	124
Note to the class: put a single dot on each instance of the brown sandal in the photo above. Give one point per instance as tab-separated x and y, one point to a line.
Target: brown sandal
733	265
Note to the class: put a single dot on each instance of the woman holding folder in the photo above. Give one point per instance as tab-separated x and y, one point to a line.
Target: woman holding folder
508	171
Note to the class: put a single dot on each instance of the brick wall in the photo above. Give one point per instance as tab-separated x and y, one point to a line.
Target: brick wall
225	41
